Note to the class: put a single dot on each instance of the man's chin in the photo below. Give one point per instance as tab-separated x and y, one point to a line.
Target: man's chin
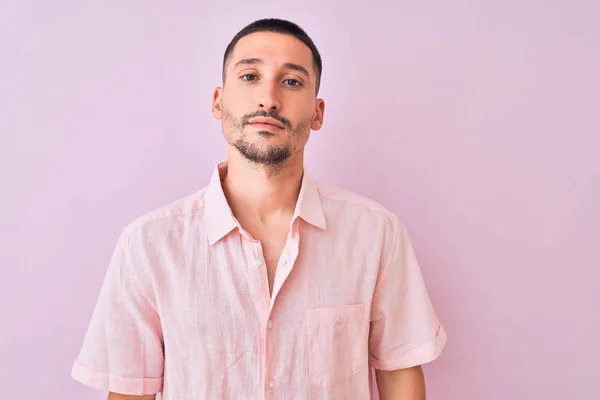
265	134
265	157
266	160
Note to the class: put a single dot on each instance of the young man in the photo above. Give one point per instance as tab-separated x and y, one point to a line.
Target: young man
265	284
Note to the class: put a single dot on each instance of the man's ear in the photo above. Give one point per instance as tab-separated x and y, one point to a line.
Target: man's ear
317	121
217	103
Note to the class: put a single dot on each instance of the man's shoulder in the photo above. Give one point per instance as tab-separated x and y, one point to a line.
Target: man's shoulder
352	202
176	212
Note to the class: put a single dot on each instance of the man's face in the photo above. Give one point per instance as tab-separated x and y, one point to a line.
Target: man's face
267	104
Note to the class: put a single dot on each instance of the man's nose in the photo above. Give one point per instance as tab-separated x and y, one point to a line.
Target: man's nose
269	99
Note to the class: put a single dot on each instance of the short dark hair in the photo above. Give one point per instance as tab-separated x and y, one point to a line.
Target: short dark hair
278	26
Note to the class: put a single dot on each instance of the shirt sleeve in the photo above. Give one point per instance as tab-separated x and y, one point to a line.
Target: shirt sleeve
405	330
122	350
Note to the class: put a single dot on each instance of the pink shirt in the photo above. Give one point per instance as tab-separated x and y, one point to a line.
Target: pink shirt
185	306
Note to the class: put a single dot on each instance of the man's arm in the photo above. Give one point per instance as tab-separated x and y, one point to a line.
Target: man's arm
122	350
405	331
401	384
117	396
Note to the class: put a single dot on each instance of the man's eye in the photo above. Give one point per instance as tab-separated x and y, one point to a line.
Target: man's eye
292	82
248	77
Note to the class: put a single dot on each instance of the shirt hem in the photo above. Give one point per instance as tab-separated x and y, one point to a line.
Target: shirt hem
113	383
418	356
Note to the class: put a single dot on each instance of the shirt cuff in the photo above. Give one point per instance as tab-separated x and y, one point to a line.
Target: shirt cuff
418	356
113	383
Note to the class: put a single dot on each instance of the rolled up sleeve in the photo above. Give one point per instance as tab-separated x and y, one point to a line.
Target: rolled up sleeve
405	330
122	350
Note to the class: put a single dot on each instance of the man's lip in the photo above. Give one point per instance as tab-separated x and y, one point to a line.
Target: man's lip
266	121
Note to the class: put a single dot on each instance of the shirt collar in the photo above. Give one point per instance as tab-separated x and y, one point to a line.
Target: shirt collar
220	220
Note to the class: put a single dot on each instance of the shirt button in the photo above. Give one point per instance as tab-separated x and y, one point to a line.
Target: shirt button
256	263
269	324
271	384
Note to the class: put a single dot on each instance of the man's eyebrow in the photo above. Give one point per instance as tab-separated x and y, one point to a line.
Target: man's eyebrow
297	67
254	61
248	61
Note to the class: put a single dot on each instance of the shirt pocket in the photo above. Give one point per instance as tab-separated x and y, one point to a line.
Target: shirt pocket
337	339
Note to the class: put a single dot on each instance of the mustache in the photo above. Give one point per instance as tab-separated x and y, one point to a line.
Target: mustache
266	114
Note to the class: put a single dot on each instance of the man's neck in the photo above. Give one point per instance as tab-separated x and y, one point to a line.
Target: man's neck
263	191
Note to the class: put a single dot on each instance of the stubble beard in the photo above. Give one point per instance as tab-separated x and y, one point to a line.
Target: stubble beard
271	156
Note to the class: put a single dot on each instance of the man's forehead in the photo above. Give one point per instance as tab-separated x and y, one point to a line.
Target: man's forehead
271	47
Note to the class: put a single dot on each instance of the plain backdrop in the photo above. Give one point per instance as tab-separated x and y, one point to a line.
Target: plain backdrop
477	122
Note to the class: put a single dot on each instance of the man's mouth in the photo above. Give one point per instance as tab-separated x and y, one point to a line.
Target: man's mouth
266	122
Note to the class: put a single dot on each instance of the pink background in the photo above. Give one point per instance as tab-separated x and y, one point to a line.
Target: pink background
477	122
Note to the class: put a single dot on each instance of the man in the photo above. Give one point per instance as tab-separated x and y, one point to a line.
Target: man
265	284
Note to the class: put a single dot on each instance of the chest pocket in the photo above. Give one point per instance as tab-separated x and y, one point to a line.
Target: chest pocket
337	340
